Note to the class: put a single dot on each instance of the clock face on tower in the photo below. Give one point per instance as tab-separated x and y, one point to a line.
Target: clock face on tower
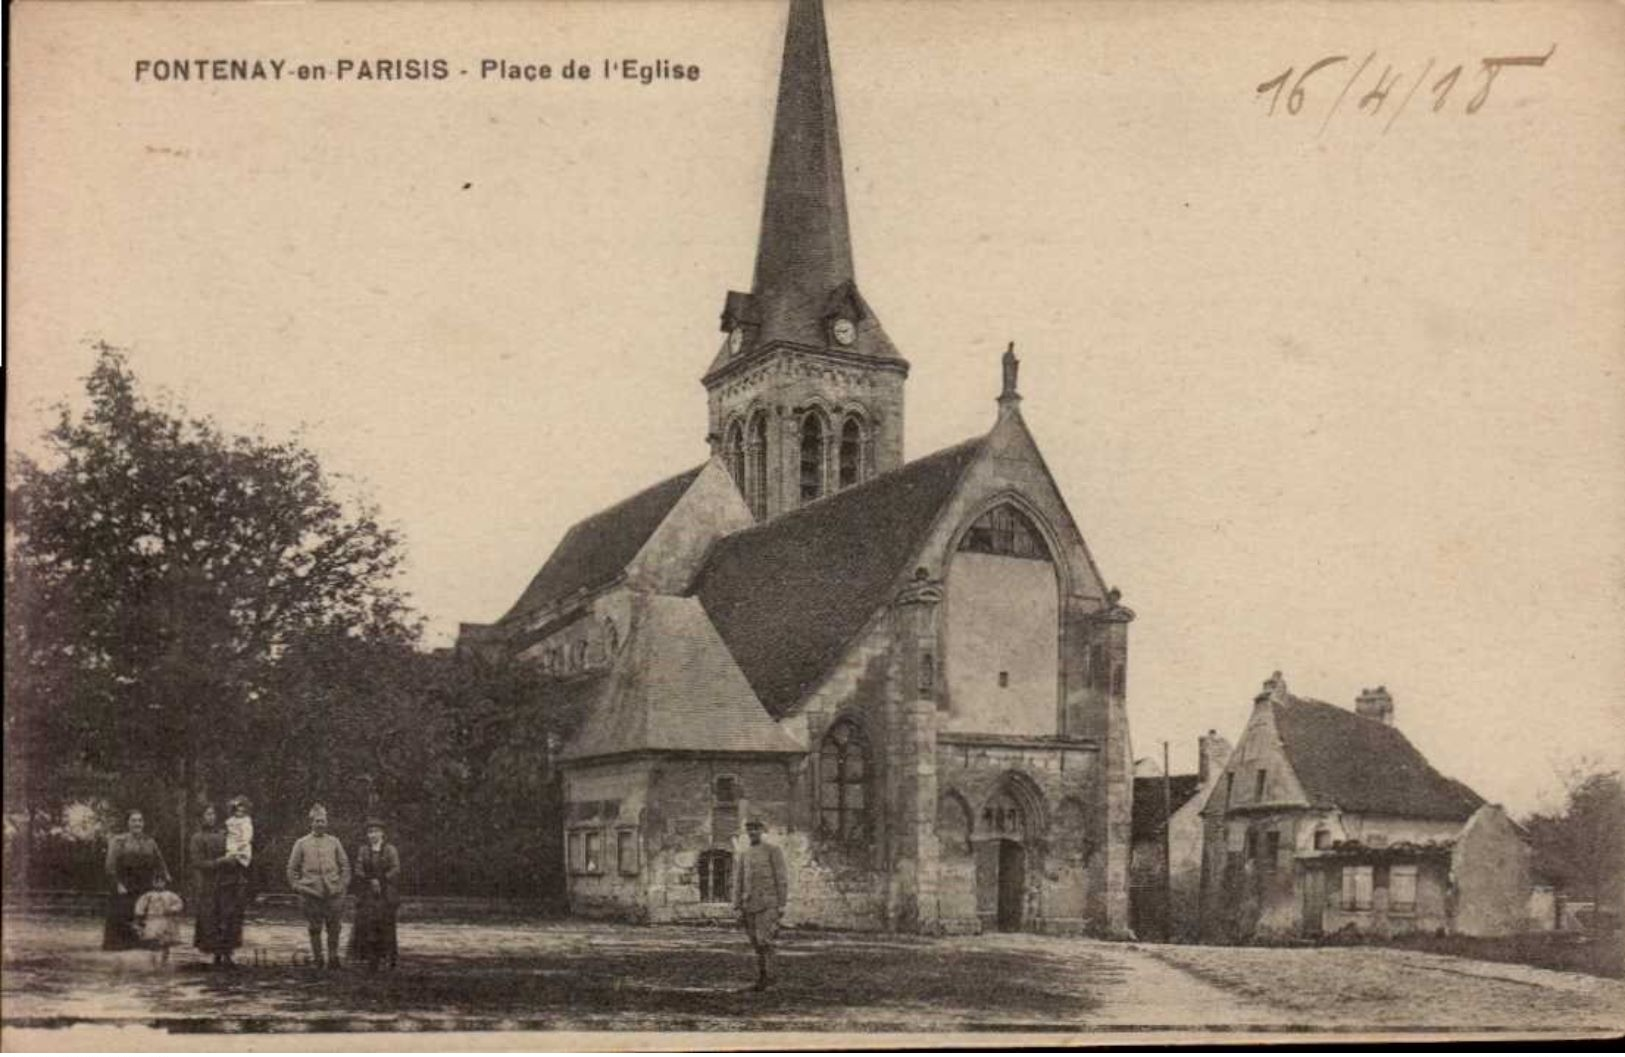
843	331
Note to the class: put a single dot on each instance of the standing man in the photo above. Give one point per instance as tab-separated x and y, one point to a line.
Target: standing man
761	888
319	871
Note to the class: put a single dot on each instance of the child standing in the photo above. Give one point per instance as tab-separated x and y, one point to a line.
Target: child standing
240	832
158	916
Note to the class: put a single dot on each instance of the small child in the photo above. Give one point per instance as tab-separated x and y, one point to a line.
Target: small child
240	832
158	915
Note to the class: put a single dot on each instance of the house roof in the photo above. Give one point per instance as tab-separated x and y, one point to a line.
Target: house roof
787	596
673	686
1361	764
598	548
1147	817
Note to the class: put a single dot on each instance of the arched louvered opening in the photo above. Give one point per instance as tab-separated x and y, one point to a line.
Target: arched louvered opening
756	473
851	454
734	453
812	457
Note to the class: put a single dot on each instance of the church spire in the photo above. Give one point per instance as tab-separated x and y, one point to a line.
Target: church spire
805	248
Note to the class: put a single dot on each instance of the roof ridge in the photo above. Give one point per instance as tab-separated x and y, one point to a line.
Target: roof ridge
855	490
640	493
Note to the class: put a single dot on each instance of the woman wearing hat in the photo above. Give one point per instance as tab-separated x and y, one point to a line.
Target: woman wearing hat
377	894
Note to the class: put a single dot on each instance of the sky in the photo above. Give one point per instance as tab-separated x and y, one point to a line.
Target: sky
1335	392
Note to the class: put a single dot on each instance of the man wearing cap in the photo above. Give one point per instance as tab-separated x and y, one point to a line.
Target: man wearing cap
319	871
761	888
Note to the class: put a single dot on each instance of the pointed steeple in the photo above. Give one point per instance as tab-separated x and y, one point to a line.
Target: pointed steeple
805	246
804	291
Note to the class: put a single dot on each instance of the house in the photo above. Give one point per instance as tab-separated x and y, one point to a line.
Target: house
1329	820
1165	876
913	671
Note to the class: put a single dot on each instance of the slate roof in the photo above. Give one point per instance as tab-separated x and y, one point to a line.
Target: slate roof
789	595
1147	817
673	686
598	548
1365	765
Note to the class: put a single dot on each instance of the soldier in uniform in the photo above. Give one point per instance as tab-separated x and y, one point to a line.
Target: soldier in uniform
761	888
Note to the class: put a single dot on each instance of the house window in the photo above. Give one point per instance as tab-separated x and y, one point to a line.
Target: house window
1006	531
843	804
726	788
851	455
626	851
1259	782
575	852
725	812
1229	786
1323	839
1402	889
1272	849
592	846
716	869
1252	845
1357	887
812	457
1004	679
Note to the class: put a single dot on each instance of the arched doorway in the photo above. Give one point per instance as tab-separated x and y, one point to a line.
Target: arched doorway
1004	845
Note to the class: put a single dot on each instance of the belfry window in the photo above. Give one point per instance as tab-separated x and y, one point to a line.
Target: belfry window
843	778
1006	531
756	472
812	458
851	455
734	452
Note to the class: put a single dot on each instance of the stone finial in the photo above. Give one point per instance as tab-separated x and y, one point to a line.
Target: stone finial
1008	397
1114	611
1274	688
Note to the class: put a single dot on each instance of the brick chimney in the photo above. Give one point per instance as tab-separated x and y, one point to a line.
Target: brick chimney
1376	704
1212	752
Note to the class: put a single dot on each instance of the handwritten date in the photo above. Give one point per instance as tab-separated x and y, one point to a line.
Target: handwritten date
1291	91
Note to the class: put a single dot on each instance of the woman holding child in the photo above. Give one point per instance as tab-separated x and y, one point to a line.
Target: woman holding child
219	887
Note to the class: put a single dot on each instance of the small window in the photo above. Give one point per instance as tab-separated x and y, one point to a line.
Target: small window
1229	786
716	876
626	851
1402	888
1259	782
1323	839
592	852
726	789
1357	887
1252	845
1004	678
1272	849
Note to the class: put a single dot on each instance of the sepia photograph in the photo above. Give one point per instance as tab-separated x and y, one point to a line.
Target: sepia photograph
774	524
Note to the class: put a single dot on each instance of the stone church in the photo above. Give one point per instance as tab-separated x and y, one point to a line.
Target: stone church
913	672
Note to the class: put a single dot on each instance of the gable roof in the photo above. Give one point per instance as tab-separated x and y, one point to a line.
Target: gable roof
1362	764
598	548
1147	819
674	687
787	596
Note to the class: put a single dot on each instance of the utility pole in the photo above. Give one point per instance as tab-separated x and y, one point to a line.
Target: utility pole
1167	849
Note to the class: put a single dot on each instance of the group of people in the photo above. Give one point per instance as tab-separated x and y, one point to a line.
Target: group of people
143	911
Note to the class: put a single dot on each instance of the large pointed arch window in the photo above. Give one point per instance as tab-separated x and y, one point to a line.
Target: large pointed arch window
1006	531
843	779
851	453
812	457
756	471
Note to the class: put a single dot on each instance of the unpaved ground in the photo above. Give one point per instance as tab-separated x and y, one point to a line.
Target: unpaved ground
577	976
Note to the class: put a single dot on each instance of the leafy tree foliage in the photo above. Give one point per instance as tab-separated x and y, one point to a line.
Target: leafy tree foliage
1582	848
161	568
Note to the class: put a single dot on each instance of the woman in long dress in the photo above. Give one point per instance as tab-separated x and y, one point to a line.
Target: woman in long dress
376	883
230	898
133	861
205	854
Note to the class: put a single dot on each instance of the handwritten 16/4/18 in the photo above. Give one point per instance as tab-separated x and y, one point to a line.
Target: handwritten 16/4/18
1289	92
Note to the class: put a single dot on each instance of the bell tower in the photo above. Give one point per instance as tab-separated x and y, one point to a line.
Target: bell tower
805	396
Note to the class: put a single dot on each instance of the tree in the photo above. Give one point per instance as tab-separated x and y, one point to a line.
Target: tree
163	566
1582	849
